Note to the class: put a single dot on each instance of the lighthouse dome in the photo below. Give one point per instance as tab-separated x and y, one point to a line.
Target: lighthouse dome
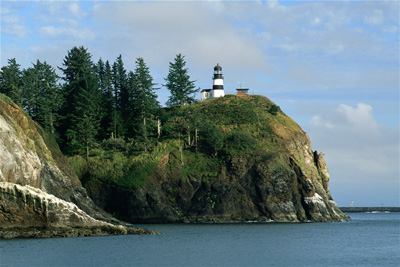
218	67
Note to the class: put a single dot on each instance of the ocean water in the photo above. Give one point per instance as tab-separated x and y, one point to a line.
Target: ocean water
369	239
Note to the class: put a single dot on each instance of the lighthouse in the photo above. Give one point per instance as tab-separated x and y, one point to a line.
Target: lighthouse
218	85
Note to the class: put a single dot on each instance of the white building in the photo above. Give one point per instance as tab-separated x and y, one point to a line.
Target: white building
218	85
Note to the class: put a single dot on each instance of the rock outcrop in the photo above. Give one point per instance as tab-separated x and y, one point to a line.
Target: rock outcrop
40	195
30	156
282	179
26	211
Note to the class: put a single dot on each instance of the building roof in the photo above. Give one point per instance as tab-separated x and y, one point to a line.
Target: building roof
206	90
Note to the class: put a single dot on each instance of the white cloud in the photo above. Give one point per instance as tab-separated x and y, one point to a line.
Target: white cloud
274	4
4	10
360	153
316	21
63	9
390	29
361	116
336	47
12	24
357	119
329	42
196	29
317	121
10	19
67	33
49	30
57	20
375	17
19	30
75	9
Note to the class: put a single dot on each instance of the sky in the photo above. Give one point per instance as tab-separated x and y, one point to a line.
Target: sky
333	66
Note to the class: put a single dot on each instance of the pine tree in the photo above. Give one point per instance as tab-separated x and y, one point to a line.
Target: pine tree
81	92
144	100
11	81
108	107
42	96
30	92
121	94
182	89
85	127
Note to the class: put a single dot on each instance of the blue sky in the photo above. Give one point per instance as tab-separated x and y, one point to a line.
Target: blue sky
333	66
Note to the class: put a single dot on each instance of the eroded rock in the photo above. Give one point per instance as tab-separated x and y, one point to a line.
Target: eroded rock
29	212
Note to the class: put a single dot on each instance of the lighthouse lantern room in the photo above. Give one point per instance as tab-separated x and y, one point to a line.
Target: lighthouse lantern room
218	84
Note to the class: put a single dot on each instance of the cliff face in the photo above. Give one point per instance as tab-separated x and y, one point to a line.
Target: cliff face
29	212
40	195
280	179
29	158
244	190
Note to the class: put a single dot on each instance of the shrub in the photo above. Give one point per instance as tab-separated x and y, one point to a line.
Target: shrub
201	166
274	109
212	139
242	140
79	165
136	173
116	144
108	168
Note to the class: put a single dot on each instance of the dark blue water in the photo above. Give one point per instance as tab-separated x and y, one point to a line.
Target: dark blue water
370	239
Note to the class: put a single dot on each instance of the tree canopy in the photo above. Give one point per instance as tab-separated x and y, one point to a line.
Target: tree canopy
92	102
11	81
182	89
81	93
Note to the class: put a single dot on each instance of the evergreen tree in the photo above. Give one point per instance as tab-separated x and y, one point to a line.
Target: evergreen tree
81	92
30	92
42	97
108	107
85	127
182	89
144	99
11	81
99	69
143	91
121	94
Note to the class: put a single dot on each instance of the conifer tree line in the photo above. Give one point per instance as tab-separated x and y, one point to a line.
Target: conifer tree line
92	102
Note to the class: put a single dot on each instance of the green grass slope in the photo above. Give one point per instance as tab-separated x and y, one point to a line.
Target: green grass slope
246	126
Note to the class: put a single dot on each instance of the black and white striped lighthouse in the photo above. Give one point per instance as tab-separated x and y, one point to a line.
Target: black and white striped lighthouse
218	85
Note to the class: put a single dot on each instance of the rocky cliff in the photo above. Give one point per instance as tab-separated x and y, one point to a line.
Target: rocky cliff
38	187
26	211
265	171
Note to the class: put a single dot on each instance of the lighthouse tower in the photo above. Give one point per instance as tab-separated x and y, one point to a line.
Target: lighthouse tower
218	85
